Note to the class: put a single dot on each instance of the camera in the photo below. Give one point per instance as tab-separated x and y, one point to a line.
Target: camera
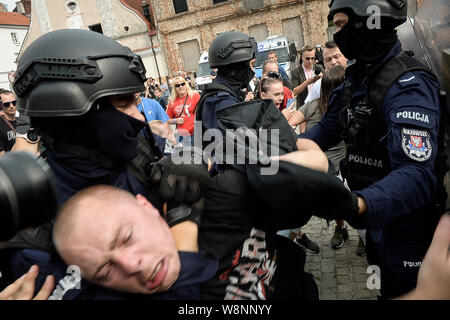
27	193
317	69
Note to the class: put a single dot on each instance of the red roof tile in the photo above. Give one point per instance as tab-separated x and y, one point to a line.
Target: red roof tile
13	18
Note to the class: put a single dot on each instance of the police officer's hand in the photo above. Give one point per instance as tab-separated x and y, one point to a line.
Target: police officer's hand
23	288
182	178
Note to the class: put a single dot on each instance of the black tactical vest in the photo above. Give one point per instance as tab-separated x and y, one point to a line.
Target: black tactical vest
364	132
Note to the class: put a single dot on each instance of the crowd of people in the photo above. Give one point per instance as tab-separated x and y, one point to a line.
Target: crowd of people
138	224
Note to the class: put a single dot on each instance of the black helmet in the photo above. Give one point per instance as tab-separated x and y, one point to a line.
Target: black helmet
393	12
231	47
64	72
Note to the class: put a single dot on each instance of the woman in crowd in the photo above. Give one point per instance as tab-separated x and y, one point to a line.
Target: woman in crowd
181	109
313	111
272	88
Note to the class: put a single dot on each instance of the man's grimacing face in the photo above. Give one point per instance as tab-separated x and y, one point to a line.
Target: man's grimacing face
126	246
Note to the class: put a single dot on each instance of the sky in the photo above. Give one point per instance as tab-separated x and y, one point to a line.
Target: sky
11	4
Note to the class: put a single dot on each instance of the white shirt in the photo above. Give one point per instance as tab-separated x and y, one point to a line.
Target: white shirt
314	93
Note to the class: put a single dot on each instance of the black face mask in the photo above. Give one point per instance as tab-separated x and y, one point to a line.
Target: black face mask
103	129
114	133
237	75
364	45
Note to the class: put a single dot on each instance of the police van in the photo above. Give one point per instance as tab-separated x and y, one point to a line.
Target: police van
203	72
286	53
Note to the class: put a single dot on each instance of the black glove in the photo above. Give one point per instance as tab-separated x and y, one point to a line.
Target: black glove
182	213
182	178
347	210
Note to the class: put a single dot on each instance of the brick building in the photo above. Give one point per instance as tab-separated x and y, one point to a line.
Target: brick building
187	27
121	20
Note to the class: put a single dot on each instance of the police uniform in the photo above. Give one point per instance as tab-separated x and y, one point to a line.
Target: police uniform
217	102
391	166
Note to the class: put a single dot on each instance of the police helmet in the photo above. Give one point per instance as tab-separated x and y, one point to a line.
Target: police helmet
64	72
393	12
231	47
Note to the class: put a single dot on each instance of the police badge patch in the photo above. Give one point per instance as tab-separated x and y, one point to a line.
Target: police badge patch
416	144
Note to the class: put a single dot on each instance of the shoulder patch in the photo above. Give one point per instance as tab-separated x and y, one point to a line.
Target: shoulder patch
408	79
416	144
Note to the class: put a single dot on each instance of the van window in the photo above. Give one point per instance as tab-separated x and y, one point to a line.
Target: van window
203	69
261	56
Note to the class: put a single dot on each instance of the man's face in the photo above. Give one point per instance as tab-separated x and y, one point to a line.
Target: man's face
333	57
340	19
126	246
127	103
270	67
308	59
157	93
272	56
9	104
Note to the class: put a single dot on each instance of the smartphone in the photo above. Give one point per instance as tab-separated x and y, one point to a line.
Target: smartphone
291	104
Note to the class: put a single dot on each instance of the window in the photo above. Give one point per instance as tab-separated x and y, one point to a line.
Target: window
253	4
96	28
219	1
71	6
180	6
14	38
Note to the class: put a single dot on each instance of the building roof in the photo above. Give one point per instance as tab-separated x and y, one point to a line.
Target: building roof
14	19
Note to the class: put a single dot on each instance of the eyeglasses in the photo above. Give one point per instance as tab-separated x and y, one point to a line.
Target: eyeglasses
180	85
309	58
274	74
7	104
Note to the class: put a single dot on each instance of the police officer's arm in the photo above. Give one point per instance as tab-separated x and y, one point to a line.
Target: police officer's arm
314	192
411	114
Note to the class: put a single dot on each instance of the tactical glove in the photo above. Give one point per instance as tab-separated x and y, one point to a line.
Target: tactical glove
182	178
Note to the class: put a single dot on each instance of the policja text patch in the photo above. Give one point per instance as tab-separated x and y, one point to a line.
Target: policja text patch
416	144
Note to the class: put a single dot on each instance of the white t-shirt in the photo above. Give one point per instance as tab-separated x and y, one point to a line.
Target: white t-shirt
315	91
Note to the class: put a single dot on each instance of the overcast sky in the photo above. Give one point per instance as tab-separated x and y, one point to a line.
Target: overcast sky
11	4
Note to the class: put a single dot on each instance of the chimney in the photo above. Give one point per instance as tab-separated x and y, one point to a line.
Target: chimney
20	7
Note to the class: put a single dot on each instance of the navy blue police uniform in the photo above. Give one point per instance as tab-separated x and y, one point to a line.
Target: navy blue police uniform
391	166
218	101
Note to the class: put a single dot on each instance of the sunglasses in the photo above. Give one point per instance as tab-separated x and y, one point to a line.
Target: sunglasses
309	58
180	85
7	104
274	74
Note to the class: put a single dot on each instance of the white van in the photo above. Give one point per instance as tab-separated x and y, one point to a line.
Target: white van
203	72
286	53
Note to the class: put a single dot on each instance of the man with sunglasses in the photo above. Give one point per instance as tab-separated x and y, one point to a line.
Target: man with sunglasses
303	77
8	121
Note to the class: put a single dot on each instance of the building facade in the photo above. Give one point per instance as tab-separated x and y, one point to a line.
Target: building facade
13	30
187	27
116	19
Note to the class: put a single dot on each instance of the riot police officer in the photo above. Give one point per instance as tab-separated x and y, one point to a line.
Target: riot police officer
230	52
78	88
388	113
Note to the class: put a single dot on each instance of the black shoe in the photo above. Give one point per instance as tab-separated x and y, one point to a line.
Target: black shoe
361	250
339	237
307	244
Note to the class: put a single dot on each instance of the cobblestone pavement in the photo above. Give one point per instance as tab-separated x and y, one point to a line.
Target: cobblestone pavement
339	274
